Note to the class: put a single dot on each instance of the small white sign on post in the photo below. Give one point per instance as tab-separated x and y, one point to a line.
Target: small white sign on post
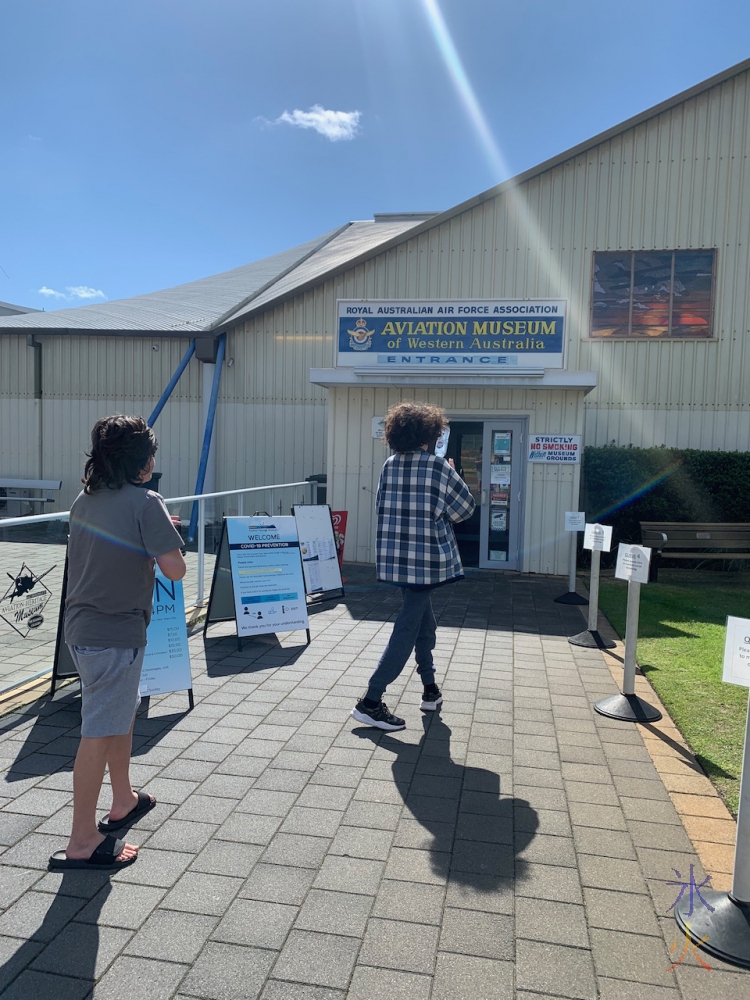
597	537
632	563
737	652
575	520
378	428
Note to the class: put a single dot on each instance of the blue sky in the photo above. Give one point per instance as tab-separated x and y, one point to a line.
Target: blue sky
152	142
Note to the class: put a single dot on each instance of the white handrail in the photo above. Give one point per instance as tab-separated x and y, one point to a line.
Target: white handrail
10	522
200	497
249	489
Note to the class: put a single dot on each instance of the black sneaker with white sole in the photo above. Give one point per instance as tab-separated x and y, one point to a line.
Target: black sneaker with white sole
379	717
431	700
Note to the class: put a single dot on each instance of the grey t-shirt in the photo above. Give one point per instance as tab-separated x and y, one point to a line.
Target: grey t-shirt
115	535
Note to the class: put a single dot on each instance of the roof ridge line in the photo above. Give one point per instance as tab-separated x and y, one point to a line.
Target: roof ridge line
507	185
226	316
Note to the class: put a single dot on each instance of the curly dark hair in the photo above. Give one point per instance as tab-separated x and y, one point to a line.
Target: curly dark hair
410	425
120	448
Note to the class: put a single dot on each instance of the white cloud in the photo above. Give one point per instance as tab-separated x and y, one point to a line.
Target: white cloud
84	292
334	125
72	292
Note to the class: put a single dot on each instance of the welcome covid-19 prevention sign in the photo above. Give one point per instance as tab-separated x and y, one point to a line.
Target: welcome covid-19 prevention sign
452	335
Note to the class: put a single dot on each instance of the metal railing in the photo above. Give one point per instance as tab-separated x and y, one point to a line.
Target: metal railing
240	494
10	522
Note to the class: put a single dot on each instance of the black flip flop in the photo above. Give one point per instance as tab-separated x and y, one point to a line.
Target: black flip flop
103	858
145	804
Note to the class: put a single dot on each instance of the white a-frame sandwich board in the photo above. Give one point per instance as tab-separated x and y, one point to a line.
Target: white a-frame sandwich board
258	579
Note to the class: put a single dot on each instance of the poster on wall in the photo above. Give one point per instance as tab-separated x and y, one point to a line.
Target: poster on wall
500	474
454	335
501	443
317	546
555	448
267	580
499	520
166	664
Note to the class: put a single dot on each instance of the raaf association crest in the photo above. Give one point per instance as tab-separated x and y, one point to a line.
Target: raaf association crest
360	338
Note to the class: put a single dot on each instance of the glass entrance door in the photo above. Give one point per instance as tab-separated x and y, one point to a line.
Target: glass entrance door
502	488
465	448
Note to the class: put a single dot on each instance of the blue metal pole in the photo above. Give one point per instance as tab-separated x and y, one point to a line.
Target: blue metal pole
207	435
171	384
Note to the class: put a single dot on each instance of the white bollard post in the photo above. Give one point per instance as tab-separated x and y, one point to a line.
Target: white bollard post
741	879
632	565
596	562
722	926
631	636
597	538
575	521
572	563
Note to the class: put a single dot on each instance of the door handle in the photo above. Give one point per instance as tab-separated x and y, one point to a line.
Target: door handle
484	498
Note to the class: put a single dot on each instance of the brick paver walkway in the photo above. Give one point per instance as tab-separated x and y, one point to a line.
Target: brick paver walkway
516	845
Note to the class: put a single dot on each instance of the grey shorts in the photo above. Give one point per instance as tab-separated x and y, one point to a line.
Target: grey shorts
109	688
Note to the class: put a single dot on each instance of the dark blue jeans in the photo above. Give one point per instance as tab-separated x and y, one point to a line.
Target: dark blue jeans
414	629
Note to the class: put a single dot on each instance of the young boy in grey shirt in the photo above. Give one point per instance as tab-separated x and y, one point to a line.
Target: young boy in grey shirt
117	532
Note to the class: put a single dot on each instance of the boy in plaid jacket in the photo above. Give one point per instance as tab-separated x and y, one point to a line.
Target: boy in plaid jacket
419	496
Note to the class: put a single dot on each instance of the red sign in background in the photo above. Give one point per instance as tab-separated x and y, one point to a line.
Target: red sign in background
339	532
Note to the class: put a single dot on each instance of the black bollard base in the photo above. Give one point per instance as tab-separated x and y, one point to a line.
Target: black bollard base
627	708
591	638
570	598
724	933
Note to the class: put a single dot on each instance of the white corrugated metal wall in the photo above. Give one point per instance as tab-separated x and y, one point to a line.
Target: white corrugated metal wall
85	378
19	411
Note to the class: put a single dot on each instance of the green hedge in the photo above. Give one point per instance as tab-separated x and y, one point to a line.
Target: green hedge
623	486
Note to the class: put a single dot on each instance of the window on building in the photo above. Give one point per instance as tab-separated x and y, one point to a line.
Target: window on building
652	293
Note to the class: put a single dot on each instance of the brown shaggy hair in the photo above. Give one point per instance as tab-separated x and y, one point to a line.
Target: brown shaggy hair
410	425
120	448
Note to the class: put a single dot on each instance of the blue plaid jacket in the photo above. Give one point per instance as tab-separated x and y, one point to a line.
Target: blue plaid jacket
418	496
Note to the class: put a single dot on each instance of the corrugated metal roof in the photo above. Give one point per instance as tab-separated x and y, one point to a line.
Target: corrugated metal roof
8	309
188	308
358	238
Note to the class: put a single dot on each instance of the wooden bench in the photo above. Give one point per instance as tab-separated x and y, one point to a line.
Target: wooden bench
15	493
695	540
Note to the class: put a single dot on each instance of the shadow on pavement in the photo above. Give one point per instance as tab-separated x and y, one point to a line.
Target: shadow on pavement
473	835
50	745
60	945
225	659
484	600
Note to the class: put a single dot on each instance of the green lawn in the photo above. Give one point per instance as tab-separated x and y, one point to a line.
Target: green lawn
680	650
